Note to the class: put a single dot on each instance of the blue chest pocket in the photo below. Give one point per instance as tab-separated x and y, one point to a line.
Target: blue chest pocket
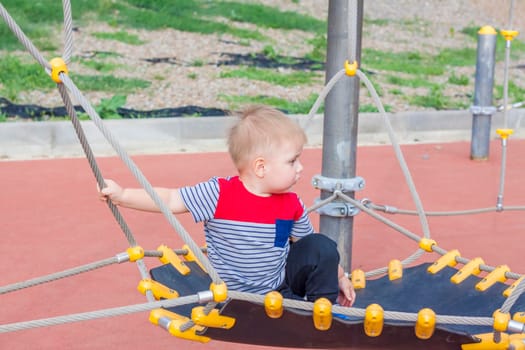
283	229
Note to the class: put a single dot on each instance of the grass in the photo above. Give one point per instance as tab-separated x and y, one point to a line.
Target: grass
272	76
406	73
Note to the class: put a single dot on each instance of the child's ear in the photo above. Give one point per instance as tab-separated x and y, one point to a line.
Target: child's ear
258	167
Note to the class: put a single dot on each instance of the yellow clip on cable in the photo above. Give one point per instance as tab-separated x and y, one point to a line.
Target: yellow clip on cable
501	320
173	322
58	65
509	290
448	259
273	304
190	256
374	319
213	319
426	244
135	253
358	279
322	314
425	324
220	292
350	68
169	256
158	289
498	275
395	270
470	268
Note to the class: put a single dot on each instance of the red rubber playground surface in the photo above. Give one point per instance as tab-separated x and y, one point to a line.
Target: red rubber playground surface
52	220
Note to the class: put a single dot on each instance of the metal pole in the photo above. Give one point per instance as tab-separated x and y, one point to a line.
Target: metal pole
483	108
340	121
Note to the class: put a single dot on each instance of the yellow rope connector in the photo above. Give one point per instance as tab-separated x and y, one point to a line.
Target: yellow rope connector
504	133
358	279
498	275
173	322
519	317
509	35
322	314
190	256
273	304
58	65
158	290
169	257
212	319
395	270
350	68
135	253
425	324
220	292
426	244
501	320
374	320
509	290
470	268
449	259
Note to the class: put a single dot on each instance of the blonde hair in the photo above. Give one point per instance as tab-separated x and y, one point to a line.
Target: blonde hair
259	130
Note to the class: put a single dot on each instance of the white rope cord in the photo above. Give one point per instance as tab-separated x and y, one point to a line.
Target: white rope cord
393	210
360	313
92	315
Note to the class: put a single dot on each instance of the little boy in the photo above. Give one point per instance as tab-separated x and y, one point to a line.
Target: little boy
258	233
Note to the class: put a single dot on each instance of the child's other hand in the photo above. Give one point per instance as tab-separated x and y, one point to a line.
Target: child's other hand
346	292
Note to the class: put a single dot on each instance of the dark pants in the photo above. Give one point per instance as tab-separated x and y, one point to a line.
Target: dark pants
312	269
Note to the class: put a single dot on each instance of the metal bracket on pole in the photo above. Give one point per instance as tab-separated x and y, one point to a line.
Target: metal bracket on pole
483	110
344	185
338	209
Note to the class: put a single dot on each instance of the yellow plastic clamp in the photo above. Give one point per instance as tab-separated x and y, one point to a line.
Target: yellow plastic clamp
58	65
516	344
426	244
470	268
497	275
448	259
395	270
322	314
190	256
425	324
519	317
135	253
213	319
220	292
509	35
358	279
504	133
374	319
174	329
513	286
175	323
169	256
486	342
273	304
159	290
501	320
350	68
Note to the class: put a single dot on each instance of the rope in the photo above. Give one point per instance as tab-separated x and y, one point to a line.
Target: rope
85	316
58	275
393	210
68	31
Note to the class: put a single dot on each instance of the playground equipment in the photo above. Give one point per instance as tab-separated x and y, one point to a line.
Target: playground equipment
181	300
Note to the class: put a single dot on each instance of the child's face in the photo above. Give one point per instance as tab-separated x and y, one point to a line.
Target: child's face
283	168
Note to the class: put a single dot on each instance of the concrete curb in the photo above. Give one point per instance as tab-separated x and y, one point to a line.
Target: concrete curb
35	140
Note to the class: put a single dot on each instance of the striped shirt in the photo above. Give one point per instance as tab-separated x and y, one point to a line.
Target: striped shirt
247	236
